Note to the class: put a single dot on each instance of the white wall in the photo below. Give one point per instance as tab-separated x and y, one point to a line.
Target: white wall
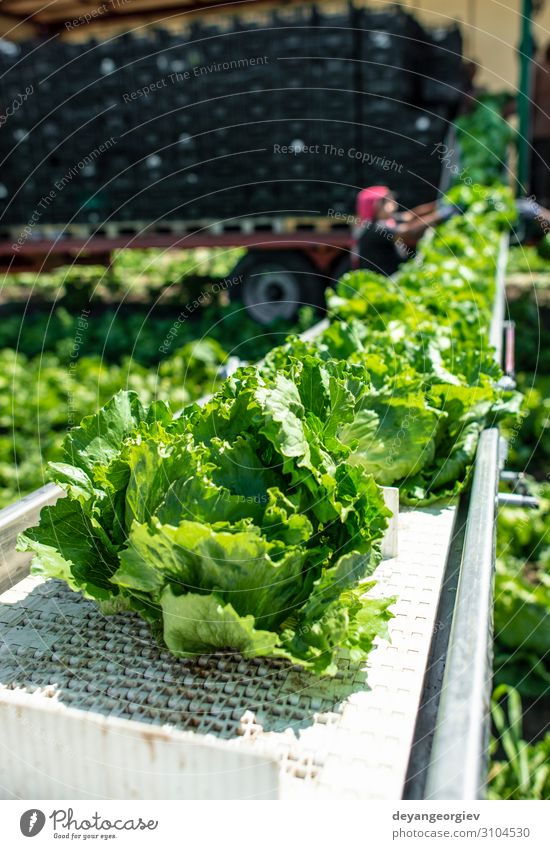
491	30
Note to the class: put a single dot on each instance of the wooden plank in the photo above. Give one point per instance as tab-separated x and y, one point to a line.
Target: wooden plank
16	30
66	10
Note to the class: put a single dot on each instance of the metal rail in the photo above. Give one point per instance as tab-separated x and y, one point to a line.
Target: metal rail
497	323
14	519
459	751
458	760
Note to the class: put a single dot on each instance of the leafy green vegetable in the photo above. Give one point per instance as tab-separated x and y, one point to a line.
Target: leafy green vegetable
526	772
484	136
194	624
522	597
237	526
429	381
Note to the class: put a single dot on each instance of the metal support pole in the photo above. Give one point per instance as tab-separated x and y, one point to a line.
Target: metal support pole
524	97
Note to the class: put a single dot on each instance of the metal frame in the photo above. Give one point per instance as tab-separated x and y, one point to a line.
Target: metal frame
459	752
178	239
14	519
497	323
458	758
321	247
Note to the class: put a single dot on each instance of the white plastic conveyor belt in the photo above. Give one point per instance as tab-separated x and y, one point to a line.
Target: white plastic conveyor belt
347	738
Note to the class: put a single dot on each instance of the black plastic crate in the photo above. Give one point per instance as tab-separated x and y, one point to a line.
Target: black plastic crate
443	79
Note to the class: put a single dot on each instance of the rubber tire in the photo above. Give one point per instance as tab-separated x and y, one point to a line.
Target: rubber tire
275	284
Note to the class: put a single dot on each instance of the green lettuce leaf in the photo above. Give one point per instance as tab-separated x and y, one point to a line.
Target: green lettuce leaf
194	624
98	438
256	576
71	545
392	438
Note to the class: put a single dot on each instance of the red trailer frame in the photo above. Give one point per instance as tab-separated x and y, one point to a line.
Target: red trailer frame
284	267
321	247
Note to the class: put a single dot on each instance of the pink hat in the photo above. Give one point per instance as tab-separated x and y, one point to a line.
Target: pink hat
367	200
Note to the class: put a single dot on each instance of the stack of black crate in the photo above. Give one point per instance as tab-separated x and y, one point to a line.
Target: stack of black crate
291	116
400	118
